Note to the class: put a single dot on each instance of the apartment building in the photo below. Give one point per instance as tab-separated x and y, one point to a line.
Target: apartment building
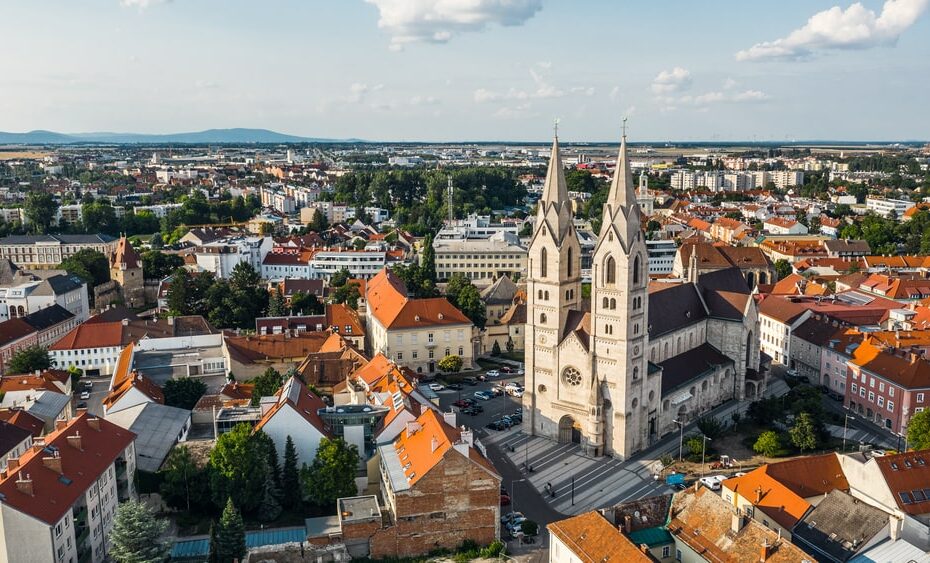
221	257
481	260
58	500
47	251
362	264
415	333
43	328
661	256
783	226
887	207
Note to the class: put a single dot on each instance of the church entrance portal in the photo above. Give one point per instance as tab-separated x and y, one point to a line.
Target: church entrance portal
569	430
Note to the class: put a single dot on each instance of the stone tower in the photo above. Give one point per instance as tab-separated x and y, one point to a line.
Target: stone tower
619	326
126	271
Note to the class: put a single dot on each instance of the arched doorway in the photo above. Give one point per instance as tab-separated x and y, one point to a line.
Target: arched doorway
569	430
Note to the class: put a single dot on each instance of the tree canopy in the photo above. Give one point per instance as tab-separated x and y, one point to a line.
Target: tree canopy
30	359
332	474
136	535
183	392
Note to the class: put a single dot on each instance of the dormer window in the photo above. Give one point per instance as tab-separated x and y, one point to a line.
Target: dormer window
440	316
417	318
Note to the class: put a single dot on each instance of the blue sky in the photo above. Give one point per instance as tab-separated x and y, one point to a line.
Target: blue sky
471	69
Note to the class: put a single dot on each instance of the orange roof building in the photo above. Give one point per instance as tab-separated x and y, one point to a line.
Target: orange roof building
46	491
415	332
293	411
590	538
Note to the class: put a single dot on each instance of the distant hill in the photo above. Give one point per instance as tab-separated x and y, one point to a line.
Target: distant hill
232	136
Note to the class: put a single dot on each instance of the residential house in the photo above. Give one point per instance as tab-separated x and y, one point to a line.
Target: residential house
62	494
841	527
417	333
157	428
249	356
42	328
846	248
590	538
14	442
783	226
294	411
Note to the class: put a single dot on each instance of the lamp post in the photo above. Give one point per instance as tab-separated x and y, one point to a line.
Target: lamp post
681	437
845	424
704	440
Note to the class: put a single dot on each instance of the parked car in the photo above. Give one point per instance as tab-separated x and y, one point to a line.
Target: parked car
461	403
506	369
792	373
470	411
711	483
511	516
519	372
85	395
483	395
505	499
476	407
88	384
481	377
470	381
493	373
513	385
436	387
516	393
455	386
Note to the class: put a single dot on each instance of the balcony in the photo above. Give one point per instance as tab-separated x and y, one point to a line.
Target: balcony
82	533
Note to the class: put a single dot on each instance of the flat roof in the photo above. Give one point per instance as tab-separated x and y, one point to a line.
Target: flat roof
358	509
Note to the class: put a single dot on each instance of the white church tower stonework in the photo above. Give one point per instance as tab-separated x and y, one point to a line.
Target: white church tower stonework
610	374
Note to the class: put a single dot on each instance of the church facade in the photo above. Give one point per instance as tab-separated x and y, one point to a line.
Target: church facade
615	372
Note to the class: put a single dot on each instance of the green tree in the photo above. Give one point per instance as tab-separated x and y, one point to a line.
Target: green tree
230	536
290	476
696	445
276	305
319	222
157	242
782	268
710	427
90	265
136	535
496	349
768	444
270	507
157	265
467	299
340	278
306	304
918	431
451	363
183	392
348	294
30	359
99	217
40	209
803	434
428	264
266	385
184	485
237	467
332	473
212	555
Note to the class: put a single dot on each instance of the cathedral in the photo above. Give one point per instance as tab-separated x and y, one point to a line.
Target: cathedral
616	372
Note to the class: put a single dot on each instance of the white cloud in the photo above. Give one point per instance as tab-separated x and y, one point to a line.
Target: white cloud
584	91
668	81
437	21
513	112
729	84
141	4
856	27
358	91
704	101
542	89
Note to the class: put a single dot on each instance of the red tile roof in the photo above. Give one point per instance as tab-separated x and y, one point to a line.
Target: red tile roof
388	302
54	493
908	473
94	335
907	370
126	255
595	540
24	420
296	395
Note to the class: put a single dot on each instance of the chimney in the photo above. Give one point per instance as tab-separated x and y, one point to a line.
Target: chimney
766	551
467	436
25	485
75	441
758	495
893	529
53	462
627	523
412	428
737	521
59	424
12	463
94	423
449	418
125	322
434	444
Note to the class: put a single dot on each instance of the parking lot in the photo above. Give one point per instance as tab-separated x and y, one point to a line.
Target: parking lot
493	409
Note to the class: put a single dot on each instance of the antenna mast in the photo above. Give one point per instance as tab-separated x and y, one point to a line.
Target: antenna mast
449	191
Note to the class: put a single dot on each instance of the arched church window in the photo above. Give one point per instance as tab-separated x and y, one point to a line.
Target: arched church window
571	376
635	373
543	259
635	402
636	270
546	295
652	395
665	352
570	258
613	303
606	303
636	329
542	318
540	294
610	271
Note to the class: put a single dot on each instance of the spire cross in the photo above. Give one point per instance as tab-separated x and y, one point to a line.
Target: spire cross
623	126
555	126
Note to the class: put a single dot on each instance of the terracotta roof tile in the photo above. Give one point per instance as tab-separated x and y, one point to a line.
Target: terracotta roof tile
906	474
595	540
388	302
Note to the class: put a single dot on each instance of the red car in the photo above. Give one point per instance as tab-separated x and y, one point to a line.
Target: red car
505	500
506	369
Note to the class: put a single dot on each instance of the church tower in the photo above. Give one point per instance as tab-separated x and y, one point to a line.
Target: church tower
553	285
126	271
619	319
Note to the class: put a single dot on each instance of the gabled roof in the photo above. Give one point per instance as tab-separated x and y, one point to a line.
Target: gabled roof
138	382
690	365
294	394
11	436
94	335
389	304
673	306
501	291
592	539
341	316
125	255
703	521
839	526
54	493
908	478
907	370
247	349
22	419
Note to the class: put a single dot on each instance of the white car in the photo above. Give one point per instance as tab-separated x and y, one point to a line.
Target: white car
436	387
85	395
711	483
493	373
515	393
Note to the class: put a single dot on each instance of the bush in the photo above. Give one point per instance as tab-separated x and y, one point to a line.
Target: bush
710	427
768	444
529	528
